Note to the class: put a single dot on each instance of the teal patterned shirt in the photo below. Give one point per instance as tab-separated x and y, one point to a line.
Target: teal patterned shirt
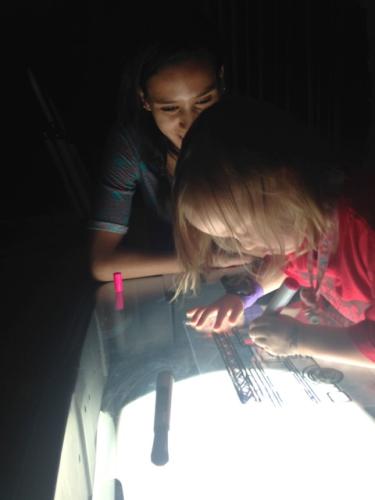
124	173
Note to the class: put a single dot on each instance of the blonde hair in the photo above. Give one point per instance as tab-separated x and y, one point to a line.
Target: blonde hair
247	166
273	205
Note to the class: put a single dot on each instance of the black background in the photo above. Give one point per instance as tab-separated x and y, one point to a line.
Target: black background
312	57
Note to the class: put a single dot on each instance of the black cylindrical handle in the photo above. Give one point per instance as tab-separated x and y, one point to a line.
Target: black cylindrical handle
164	383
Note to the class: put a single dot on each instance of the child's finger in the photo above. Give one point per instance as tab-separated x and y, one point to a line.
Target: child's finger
206	315
259	339
197	316
261	342
234	315
192	311
262	322
256	330
194	317
220	318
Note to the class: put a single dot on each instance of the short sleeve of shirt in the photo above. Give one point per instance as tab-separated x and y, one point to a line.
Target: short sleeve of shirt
120	177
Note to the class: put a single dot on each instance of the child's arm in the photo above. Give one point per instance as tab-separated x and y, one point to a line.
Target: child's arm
284	336
338	344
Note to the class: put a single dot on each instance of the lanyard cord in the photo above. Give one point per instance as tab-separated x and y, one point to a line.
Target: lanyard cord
325	248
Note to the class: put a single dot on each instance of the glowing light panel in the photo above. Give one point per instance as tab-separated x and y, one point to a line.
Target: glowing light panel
221	449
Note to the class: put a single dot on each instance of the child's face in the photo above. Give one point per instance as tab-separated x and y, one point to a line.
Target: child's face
177	94
250	242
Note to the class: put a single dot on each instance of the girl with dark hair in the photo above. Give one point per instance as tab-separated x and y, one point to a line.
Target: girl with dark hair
170	81
253	181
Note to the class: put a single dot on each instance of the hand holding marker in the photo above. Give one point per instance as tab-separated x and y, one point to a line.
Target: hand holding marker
280	299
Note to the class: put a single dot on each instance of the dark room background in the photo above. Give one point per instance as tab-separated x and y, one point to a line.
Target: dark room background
311	57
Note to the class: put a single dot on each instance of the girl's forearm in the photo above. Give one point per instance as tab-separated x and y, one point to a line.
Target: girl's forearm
134	265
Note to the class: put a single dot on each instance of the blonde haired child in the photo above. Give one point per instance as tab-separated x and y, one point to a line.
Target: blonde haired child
252	180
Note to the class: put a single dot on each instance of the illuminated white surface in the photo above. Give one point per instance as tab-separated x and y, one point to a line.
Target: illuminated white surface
221	449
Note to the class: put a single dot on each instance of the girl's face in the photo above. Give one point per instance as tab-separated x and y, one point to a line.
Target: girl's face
250	243
177	94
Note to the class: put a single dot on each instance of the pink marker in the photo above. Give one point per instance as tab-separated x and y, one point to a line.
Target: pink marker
117	280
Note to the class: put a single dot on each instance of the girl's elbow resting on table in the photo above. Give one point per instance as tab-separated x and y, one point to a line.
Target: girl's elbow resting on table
100	270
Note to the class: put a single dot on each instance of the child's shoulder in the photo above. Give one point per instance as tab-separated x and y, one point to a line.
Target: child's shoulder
351	219
356	236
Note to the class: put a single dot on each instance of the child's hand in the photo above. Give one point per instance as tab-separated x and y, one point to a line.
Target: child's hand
220	316
277	334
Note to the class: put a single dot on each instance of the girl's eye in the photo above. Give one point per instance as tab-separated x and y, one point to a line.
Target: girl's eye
169	109
172	109
205	100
